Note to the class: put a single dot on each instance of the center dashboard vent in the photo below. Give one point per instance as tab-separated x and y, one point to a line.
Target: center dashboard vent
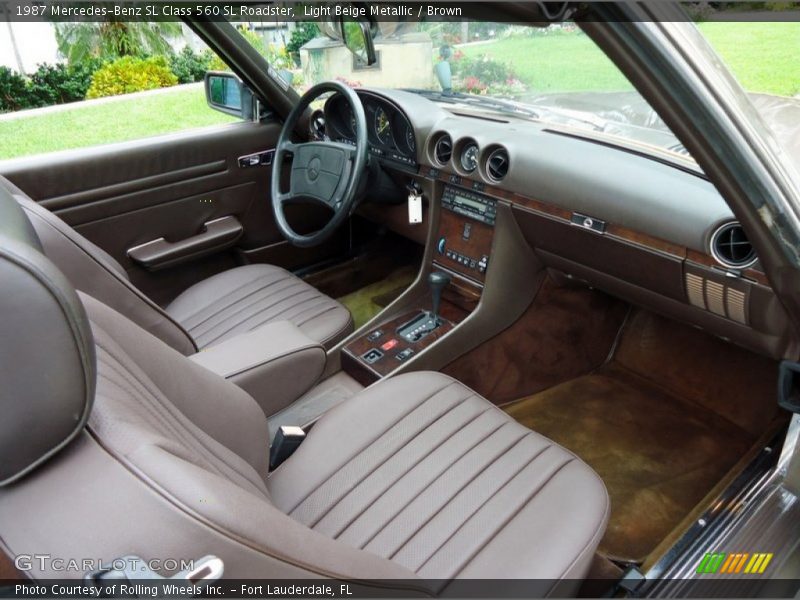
497	164
730	246
443	150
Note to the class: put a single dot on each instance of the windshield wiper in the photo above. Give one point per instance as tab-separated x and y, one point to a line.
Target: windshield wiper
496	104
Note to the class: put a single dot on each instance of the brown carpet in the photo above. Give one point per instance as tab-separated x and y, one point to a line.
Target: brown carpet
661	423
566	332
371	299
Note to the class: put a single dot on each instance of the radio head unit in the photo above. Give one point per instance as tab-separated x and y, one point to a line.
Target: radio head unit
470	204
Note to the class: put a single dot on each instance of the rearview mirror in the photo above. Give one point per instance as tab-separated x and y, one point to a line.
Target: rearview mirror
357	37
226	93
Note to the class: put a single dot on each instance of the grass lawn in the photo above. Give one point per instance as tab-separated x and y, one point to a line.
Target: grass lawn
764	56
126	119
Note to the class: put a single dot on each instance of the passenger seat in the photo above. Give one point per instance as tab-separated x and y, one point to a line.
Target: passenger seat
114	444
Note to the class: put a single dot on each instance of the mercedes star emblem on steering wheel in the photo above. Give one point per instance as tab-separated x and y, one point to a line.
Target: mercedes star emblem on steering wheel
313	168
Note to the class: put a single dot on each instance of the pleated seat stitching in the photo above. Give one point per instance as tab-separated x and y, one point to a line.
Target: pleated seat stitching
515	513
397	480
217	309
270	293
259	311
388	458
477	509
458	491
371	442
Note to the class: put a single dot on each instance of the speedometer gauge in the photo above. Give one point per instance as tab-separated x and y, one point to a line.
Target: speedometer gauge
383	128
469	158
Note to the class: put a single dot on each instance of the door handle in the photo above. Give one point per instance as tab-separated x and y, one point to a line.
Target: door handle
216	235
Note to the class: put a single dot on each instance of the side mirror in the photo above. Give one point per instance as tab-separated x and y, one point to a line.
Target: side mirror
357	37
226	93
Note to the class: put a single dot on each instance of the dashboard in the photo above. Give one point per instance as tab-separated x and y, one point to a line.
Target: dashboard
629	223
389	131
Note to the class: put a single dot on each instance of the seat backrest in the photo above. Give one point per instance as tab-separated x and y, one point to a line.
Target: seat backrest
115	444
93	271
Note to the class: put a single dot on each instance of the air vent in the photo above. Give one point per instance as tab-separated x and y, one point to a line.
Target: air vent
730	246
497	164
443	149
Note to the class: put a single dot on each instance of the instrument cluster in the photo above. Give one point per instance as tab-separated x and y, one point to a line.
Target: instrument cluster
389	132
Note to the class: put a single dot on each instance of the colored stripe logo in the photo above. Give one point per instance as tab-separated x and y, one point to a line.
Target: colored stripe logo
730	563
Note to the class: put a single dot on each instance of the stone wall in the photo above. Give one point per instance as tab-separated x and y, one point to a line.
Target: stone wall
403	62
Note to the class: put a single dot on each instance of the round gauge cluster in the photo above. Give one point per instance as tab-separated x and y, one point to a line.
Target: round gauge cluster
383	127
389	132
469	157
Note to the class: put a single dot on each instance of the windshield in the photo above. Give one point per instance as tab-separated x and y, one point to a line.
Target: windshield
553	74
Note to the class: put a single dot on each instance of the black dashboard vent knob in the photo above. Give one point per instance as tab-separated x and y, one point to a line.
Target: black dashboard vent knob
497	164
443	149
730	246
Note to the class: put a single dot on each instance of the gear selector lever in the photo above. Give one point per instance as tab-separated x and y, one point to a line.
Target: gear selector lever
427	321
437	281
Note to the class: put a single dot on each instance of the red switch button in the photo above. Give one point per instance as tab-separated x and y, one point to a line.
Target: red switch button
389	345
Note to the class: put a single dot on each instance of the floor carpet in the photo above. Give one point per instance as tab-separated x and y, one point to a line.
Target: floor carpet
661	423
370	300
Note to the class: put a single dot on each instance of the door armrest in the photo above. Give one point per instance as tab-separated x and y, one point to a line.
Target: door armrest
216	235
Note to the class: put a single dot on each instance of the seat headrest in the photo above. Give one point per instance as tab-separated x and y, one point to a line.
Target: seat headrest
47	360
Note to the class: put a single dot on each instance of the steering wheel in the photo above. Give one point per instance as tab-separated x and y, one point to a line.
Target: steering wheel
326	173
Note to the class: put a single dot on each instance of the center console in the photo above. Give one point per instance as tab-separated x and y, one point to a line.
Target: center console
460	262
466	231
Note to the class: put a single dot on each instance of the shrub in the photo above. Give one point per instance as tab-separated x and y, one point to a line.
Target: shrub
13	91
190	66
483	68
129	74
485	75
699	11
58	84
301	35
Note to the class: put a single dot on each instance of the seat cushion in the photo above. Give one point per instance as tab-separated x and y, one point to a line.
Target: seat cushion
244	298
420	470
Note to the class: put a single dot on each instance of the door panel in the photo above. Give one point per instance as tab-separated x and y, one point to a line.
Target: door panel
124	195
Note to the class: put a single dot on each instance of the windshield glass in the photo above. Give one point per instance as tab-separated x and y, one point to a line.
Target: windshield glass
553	74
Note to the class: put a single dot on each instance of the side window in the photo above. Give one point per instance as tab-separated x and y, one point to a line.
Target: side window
73	85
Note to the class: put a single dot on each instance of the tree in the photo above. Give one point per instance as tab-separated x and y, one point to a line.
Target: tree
112	39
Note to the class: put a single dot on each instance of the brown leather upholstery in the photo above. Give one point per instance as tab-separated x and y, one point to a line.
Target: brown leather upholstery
422	471
245	298
209	312
46	351
415	477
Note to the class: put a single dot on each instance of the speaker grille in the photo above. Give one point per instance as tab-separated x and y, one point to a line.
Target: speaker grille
720	299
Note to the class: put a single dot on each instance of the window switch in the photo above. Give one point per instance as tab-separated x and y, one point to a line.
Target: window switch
405	354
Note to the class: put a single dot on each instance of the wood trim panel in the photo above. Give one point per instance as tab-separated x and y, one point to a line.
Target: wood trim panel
709	261
613	230
363	372
479	243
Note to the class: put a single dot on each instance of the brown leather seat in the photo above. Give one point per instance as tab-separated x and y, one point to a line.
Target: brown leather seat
218	308
416	479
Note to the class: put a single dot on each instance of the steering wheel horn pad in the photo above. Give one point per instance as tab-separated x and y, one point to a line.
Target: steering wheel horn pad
323	172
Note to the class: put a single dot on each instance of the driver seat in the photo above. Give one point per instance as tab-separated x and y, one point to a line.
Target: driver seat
216	309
